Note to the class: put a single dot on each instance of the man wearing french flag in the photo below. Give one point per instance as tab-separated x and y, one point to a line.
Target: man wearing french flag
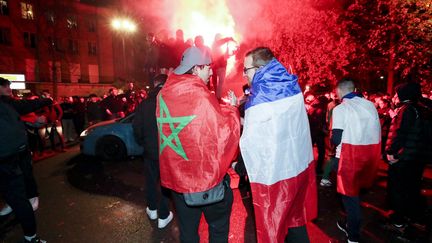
277	151
356	131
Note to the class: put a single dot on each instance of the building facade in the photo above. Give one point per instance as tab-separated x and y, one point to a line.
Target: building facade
62	46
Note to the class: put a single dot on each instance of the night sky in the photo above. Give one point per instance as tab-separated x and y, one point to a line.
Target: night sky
98	2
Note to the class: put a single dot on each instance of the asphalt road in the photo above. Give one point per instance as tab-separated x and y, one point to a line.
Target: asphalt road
83	199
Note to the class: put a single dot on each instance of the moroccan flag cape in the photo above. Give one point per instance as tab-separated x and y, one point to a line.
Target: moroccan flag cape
277	151
360	149
198	138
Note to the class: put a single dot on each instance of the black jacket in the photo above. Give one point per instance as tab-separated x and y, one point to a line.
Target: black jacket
410	135
13	136
317	115
145	126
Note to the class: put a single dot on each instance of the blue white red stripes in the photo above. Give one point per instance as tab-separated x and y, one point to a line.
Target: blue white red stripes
277	151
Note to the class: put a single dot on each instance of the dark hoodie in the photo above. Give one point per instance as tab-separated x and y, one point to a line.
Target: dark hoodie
145	126
410	136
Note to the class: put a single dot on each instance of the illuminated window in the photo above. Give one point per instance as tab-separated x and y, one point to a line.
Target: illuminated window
92	51
73	46
50	17
4	10
72	23
30	40
5	36
27	11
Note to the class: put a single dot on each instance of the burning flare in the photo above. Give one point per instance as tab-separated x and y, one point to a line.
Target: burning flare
206	18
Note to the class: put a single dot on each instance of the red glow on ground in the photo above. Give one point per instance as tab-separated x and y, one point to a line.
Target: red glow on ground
240	218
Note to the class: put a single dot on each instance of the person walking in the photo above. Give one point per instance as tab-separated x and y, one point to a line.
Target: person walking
356	132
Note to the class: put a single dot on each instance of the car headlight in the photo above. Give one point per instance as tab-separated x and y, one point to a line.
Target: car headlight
85	132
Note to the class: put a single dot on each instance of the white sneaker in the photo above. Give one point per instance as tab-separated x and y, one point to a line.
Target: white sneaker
5	210
325	182
34	202
152	214
162	223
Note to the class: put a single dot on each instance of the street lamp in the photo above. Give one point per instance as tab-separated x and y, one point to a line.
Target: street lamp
123	26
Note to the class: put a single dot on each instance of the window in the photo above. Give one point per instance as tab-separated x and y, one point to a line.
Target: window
54	44
27	11
30	69
73	46
5	36
92	49
72	22
29	39
54	71
58	44
4	10
75	72
50	17
93	73
92	26
50	43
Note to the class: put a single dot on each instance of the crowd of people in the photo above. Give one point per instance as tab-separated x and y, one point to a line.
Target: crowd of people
53	127
162	55
191	137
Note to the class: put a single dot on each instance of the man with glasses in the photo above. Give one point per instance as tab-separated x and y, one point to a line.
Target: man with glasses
198	139
277	150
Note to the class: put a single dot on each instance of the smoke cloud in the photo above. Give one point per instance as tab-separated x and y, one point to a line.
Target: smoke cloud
304	34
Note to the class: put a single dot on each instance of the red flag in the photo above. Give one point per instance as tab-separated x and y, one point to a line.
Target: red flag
198	138
358	167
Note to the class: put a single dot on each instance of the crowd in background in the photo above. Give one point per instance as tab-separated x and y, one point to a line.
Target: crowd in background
53	127
62	122
319	106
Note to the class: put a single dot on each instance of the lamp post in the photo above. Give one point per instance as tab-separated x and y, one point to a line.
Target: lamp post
123	26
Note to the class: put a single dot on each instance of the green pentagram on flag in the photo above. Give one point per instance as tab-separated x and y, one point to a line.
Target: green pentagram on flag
172	140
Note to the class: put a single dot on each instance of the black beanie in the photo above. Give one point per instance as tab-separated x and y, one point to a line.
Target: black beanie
408	91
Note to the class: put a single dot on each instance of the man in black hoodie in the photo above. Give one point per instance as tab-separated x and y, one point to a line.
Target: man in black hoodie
409	148
16	175
146	134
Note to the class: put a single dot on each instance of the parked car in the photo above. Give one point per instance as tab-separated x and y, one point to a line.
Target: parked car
110	140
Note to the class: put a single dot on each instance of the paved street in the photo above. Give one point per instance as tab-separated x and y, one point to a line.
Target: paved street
85	200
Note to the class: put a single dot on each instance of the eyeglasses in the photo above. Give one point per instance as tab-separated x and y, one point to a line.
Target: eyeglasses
247	69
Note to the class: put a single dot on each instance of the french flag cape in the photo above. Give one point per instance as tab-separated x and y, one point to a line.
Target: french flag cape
360	150
277	151
198	137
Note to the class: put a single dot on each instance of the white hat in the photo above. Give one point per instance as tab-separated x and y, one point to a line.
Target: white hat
191	57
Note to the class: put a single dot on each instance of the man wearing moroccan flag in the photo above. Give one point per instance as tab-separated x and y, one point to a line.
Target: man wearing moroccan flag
198	141
277	151
356	131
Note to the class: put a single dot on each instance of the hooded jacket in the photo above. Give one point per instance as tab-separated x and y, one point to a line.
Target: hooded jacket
410	135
